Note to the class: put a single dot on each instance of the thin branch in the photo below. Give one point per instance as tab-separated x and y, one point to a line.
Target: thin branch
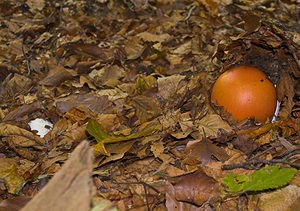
256	164
190	12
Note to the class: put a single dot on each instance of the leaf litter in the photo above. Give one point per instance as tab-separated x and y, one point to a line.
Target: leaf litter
133	78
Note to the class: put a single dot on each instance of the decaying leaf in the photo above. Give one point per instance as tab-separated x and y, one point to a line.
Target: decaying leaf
9	173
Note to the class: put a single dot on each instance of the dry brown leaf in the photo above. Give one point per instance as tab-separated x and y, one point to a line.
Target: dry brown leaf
173	204
70	188
146	108
286	92
133	48
92	50
22	111
117	151
12	130
14	204
195	188
108	76
172	88
279	200
209	125
57	74
150	37
90	101
202	152
18	84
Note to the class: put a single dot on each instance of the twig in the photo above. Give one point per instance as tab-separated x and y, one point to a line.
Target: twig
256	164
145	186
27	59
190	12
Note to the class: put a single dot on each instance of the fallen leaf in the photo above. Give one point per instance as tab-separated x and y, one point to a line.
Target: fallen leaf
90	101
14	204
195	188
12	130
147	108
168	87
8	172
133	48
150	37
102	137
57	74
202	152
209	125
279	200
22	111
173	204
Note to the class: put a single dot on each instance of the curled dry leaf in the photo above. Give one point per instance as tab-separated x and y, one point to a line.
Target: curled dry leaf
12	130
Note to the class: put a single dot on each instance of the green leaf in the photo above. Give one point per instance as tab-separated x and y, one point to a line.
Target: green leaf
95	129
269	177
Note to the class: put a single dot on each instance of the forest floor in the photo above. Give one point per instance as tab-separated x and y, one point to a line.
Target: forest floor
130	82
